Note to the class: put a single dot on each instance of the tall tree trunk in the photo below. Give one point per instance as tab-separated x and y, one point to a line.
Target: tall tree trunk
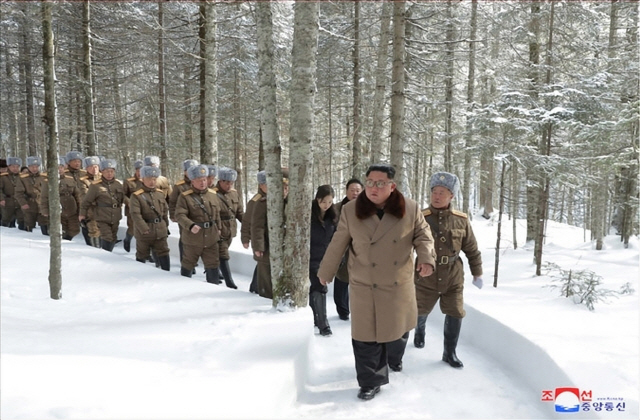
12	114
270	140
293	290
499	233
188	129
357	155
398	141
51	130
208	113
468	133
448	89
29	105
87	87
162	97
515	203
124	148
377	142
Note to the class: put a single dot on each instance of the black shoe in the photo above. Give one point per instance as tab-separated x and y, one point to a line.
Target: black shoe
127	242
396	368
452	359
344	317
326	332
419	332
142	260
212	275
185	272
368	392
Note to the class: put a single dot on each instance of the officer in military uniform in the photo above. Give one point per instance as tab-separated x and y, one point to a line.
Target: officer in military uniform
130	185
260	240
89	225
70	198
150	215
245	229
28	193
11	211
230	209
74	169
198	214
178	188
106	197
213	173
162	183
452	233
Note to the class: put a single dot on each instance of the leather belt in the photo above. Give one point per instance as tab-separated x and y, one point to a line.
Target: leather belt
446	260
227	218
156	220
113	206
205	225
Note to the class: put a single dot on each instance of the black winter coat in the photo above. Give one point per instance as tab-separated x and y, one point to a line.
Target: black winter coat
321	234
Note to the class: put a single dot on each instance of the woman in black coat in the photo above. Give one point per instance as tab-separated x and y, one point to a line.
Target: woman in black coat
323	225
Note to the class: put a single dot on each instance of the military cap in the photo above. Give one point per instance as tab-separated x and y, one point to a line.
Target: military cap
149	172
62	161
447	180
138	164
227	174
213	170
197	171
101	158
91	160
262	177
108	164
189	163
14	161
151	161
34	160
73	155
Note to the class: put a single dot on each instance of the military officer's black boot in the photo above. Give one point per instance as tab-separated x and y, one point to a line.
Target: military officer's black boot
418	334
44	229
106	245
226	272
21	225
126	243
67	237
253	287
213	275
312	303
85	234
142	260
451	334
185	272
164	262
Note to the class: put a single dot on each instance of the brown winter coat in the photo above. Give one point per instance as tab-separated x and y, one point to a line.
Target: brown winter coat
381	290
29	190
245	229
106	199
70	197
189	212
230	209
178	188
145	218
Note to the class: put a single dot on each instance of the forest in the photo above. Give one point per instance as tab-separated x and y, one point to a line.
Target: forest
533	104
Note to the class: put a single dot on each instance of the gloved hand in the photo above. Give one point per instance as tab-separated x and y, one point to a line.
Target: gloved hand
477	281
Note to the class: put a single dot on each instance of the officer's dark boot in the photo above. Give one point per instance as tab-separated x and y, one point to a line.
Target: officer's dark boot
418	334
106	245
165	262
44	229
226	272
126	243
21	225
95	242
185	272
253	287
85	234
154	258
312	304
142	260
320	305
451	334
67	237
213	275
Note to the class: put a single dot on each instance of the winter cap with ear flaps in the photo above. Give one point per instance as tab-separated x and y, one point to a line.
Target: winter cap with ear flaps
447	180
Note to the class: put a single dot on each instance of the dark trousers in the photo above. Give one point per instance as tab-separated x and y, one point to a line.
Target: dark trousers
373	359
341	297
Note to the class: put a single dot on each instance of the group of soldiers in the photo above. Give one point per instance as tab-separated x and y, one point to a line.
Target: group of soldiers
204	204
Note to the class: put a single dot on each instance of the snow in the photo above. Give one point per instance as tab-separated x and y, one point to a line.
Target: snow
129	341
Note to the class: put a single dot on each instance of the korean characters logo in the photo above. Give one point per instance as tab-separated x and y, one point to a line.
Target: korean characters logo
572	400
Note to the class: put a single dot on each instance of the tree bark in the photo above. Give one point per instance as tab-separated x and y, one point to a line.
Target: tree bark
87	87
377	142
51	130
162	97
293	290
357	153
448	89
466	177
209	144
29	100
398	142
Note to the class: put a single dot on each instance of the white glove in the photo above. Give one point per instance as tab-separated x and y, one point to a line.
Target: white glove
477	281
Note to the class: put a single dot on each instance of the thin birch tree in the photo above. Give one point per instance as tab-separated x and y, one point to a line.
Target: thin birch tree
398	142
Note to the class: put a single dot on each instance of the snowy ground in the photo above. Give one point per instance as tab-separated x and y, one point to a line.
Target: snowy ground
129	341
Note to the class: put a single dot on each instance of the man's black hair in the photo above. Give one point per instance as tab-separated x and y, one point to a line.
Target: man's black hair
382	167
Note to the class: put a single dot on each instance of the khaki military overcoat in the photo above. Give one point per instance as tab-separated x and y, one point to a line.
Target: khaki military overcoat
381	265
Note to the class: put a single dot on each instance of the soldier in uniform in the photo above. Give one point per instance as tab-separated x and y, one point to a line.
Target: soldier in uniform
452	233
89	225
178	188
130	185
198	214
74	168
245	230
260	240
28	193
106	197
70	198
9	180
162	183
213	173
150	215
341	287
231	208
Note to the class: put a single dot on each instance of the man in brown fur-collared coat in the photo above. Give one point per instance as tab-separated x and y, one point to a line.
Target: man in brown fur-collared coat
381	229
